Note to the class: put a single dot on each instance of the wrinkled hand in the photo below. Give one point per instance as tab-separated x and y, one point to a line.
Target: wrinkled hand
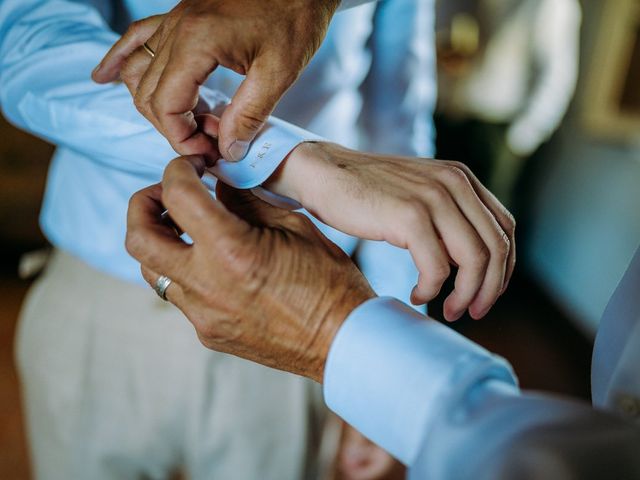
258	282
436	209
269	42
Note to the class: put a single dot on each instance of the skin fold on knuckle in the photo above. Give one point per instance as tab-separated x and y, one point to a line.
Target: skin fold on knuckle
178	194
130	73
136	30
454	176
439	273
141	103
414	213
503	245
135	242
478	258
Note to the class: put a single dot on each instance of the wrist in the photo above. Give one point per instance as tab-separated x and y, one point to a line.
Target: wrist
345	302
299	173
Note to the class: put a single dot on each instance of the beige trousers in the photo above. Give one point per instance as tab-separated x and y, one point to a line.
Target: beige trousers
117	386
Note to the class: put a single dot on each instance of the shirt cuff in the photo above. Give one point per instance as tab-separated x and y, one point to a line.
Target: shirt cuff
391	371
272	145
344	4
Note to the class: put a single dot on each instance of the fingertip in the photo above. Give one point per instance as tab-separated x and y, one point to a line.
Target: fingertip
95	74
414	297
424	291
479	309
452	314
101	76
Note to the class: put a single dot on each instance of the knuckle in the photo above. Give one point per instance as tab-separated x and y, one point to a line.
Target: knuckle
436	194
502	245
134	242
189	24
129	72
462	167
453	175
175	192
480	257
141	103
440	272
415	212
205	334
511	222
237	260
155	105
136	28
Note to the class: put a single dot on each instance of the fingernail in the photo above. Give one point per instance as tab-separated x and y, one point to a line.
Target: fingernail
238	150
456	316
97	69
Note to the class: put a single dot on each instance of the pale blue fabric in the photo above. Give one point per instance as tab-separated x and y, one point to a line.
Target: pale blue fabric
451	410
107	151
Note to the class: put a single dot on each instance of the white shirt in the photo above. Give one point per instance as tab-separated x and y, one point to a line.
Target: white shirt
107	150
451	410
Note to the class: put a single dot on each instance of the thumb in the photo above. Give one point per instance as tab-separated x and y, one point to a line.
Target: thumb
250	108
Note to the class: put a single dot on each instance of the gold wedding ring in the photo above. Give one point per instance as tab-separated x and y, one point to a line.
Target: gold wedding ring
149	50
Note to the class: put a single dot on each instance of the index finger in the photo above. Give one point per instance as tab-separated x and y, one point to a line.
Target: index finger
149	239
176	96
191	206
139	32
501	214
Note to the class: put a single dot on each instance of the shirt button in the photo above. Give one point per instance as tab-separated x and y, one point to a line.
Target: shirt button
628	405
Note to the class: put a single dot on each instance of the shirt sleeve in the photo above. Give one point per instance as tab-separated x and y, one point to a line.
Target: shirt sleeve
48	49
353	3
449	409
391	372
400	89
496	432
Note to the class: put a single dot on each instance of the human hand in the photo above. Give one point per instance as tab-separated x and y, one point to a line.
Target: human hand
269	42
436	209
258	282
361	459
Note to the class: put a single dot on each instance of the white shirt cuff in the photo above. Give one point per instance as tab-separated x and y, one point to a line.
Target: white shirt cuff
272	145
391	371
345	4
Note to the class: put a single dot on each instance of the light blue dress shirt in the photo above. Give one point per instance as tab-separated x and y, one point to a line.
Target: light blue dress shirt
107	150
451	410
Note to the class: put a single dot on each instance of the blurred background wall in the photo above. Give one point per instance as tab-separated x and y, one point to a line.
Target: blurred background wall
582	202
